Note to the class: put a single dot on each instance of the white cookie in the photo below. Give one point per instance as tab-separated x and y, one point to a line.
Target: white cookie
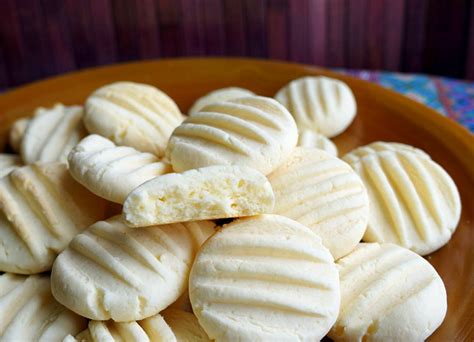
311	139
252	131
414	202
264	278
379	146
114	272
325	194
52	133
28	311
111	171
218	95
325	105
41	209
8	163
132	114
16	133
170	326
153	328
388	293
212	192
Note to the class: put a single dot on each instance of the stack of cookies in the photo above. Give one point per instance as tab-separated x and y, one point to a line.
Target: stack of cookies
125	220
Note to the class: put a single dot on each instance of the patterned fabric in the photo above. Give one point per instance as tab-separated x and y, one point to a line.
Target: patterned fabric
451	98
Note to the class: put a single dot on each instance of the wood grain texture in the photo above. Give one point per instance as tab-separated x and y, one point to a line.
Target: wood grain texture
213	27
255	17
382	115
104	32
78	14
394	15
39	38
13	44
3	70
470	55
357	15
170	31
192	26
234	28
299	31
446	40
376	29
414	35
125	12
277	30
317	31
147	29
58	38
336	55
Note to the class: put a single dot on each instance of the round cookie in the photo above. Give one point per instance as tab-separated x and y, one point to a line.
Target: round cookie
132	114
325	194
380	146
52	133
414	202
311	139
111	171
218	95
388	293
264	278
41	209
325	105
16	133
28	311
8	163
114	272
213	192
252	131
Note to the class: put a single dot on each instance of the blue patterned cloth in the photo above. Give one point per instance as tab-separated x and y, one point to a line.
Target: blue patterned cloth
450	97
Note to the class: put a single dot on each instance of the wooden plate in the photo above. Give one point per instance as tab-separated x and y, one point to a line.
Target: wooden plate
382	115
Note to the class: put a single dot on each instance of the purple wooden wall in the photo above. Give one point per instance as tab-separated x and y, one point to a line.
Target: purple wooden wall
39	38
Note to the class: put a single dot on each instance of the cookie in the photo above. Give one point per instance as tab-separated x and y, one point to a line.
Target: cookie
151	329
41	209
28	311
311	139
8	163
388	293
380	146
52	133
170	326
252	131
325	105
414	202
264	278
218	95
212	192
16	133
114	272
132	114
325	194
111	171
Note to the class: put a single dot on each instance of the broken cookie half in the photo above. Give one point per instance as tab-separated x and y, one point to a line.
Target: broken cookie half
207	193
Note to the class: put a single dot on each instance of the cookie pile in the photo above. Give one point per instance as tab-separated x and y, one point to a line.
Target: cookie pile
111	222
